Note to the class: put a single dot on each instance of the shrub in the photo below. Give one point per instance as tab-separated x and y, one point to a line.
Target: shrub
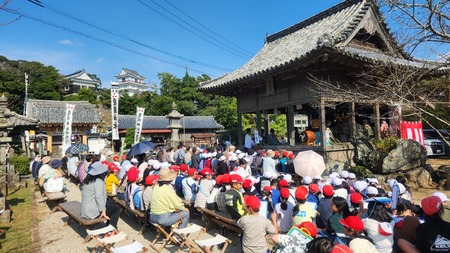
384	146
361	171
21	164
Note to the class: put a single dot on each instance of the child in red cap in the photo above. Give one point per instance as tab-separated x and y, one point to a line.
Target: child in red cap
353	229
234	198
302	211
205	187
324	207
255	227
284	211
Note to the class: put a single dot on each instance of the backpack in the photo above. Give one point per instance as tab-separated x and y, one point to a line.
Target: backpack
180	158
194	187
137	201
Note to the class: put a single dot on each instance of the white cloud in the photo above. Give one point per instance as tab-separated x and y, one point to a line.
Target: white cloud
65	42
70	43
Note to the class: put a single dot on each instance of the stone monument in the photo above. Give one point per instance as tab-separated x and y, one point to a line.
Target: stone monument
174	125
6	173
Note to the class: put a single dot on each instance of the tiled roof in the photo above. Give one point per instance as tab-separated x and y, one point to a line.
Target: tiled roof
53	112
328	29
75	74
132	72
161	122
20	120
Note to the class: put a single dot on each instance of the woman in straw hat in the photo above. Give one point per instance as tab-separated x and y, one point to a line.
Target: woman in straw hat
167	208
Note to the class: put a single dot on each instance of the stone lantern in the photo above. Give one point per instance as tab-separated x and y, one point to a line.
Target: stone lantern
174	125
6	175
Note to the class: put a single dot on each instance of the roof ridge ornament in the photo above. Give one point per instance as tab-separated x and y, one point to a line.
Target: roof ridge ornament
325	40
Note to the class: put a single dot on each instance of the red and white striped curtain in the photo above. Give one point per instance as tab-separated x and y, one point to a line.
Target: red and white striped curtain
412	130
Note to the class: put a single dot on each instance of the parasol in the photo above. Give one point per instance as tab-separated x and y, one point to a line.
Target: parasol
309	163
77	148
141	147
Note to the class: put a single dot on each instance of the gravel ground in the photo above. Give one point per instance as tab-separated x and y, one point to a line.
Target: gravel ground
55	237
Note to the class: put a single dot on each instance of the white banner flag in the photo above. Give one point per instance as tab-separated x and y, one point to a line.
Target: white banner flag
67	131
115	113
139	121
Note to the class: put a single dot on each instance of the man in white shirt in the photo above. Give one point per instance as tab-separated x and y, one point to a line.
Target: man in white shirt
248	143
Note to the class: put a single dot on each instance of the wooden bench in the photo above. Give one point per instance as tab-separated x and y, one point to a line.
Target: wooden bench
139	215
73	210
56	198
221	219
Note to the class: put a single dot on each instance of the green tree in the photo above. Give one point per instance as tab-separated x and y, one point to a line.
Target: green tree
84	94
129	137
104	96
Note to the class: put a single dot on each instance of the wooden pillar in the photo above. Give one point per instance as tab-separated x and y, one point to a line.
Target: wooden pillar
239	130
266	124
290	125
352	119
322	119
377	120
50	142
84	139
258	121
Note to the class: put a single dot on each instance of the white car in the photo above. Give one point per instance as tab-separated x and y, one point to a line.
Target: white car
434	147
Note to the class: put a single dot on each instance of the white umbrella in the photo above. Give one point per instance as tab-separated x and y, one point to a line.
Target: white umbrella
309	163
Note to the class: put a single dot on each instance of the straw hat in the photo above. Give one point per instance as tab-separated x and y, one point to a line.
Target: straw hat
270	153
166	174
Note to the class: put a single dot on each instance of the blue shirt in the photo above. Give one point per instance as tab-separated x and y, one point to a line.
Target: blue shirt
179	185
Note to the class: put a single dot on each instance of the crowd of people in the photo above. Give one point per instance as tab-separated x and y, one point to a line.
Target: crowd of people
259	189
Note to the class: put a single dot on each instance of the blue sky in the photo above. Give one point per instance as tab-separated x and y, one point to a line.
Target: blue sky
239	23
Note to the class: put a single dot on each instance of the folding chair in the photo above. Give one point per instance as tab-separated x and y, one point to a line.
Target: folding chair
185	232
208	245
96	232
160	230
107	242
135	247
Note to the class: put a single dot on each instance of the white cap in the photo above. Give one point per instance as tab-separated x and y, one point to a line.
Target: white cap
222	158
351	176
360	185
214	154
307	180
317	177
237	152
372	180
128	166
287	177
391	182
337	181
134	160
344	174
151	162
246	159
156	165
333	175
165	165
372	190
241	155
441	195
233	157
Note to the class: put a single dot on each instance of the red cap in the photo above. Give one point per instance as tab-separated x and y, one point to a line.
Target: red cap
353	222
151	179
291	156
104	162
284	193
328	190
277	153
235	178
340	248
252	202
183	167
301	193
267	188
124	157
226	178
308	227
197	177
431	205
174	168
113	167
355	197
115	158
132	174
283	183
219	180
314	188
247	183
192	172
285	154
207	171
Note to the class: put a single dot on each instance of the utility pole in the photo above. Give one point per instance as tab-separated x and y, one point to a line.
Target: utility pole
26	95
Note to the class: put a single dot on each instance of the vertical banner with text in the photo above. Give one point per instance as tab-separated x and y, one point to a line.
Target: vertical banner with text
115	113
67	131
139	121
